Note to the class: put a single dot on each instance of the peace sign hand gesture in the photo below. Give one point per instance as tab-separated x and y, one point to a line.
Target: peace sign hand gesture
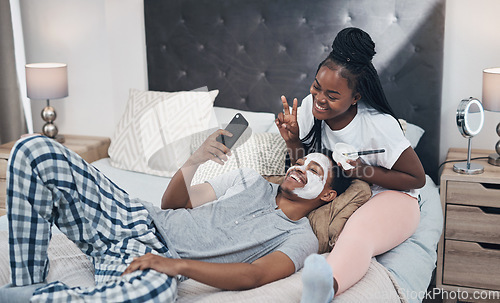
287	122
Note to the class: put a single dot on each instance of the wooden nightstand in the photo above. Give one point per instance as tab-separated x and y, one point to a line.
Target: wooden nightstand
469	249
89	148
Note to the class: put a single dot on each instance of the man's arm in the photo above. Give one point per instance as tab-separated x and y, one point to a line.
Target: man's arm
230	276
179	192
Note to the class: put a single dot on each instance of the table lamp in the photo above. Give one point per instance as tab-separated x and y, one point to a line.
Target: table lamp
491	102
47	81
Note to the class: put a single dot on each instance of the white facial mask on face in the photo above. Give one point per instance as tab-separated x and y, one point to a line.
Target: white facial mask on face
315	184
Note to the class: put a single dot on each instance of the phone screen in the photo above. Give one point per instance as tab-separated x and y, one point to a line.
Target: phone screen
236	127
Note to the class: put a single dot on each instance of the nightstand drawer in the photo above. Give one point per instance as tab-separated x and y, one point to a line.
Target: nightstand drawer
473	223
472	193
470	264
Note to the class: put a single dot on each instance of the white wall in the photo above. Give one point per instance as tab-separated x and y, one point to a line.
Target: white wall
103	43
471	44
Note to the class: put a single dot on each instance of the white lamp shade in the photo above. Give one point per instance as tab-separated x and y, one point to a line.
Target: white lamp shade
47	80
491	89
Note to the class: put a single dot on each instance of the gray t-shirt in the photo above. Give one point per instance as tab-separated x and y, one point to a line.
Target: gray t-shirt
241	225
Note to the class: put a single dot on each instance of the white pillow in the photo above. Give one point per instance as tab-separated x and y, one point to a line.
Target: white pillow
259	122
412	132
264	152
153	135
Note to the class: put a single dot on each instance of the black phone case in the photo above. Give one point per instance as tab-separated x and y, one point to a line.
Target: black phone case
236	127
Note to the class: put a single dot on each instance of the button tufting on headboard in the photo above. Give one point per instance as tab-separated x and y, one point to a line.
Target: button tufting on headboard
255	51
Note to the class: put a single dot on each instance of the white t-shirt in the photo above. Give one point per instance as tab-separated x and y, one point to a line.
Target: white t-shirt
369	129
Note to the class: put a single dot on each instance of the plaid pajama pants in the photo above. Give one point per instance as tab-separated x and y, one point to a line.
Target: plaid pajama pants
49	184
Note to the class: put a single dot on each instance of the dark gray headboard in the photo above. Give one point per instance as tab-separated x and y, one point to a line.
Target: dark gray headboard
254	51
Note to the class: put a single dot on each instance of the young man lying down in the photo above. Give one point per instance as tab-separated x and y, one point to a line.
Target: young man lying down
236	231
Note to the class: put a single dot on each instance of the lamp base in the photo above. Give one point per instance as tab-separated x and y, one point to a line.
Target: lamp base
473	169
494	159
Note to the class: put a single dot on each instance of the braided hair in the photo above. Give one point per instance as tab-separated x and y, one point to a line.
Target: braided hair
353	50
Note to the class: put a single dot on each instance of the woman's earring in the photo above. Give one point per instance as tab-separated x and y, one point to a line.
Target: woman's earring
354	104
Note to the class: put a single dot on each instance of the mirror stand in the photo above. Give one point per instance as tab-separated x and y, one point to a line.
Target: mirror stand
468	168
470	119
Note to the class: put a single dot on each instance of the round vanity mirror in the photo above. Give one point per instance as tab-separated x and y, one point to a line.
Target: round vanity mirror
470	119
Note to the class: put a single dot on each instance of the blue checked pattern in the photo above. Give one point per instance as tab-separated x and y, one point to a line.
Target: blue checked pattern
49	184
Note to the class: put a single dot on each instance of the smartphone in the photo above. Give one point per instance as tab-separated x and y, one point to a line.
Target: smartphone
236	127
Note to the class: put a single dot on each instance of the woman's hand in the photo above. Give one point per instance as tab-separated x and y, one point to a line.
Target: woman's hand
406	174
161	264
211	149
287	122
358	171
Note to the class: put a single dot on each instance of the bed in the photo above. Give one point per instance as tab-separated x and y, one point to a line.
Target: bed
241	57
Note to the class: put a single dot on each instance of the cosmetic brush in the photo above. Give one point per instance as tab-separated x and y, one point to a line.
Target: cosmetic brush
365	152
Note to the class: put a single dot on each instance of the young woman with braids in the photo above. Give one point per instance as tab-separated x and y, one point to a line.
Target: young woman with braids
347	104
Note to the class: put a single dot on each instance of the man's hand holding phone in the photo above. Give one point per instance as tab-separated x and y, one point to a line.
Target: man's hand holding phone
237	127
218	145
180	193
211	149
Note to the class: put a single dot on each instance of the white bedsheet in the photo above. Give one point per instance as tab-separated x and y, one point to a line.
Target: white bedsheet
138	185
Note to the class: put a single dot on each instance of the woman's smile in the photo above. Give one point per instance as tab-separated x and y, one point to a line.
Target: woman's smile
320	108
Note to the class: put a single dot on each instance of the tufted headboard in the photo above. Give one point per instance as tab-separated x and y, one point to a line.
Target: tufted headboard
254	51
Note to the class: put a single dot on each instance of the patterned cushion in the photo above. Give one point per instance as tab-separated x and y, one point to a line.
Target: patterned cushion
153	135
264	152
